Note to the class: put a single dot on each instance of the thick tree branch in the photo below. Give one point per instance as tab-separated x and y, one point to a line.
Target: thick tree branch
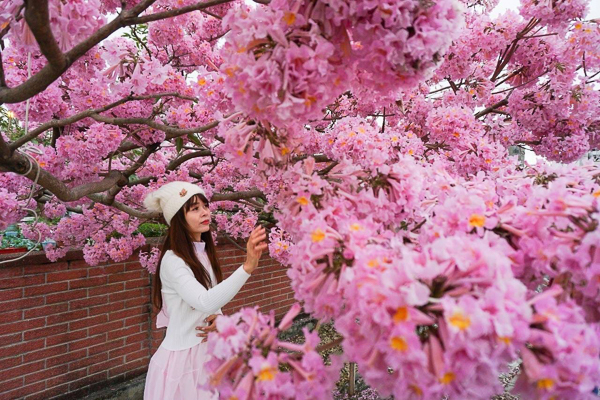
237	195
49	73
37	17
186	157
88	113
510	50
175	12
103	199
4	148
2	77
491	108
171	132
116	189
21	164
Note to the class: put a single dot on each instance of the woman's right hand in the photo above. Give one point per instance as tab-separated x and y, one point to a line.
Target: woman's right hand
254	248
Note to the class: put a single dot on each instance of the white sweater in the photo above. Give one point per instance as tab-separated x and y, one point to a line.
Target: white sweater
187	303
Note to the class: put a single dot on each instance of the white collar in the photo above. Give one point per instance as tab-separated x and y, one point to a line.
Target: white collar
200	246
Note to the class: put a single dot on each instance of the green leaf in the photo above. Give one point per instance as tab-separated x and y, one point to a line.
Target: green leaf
194	139
179	144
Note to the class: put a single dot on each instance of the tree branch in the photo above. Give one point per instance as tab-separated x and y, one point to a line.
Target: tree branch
491	108
175	12
50	72
103	199
37	18
2	77
88	113
186	157
237	195
21	164
172	132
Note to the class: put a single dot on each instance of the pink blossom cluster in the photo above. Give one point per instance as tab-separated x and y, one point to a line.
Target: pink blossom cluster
10	208
247	359
284	63
150	260
279	245
434	285
556	14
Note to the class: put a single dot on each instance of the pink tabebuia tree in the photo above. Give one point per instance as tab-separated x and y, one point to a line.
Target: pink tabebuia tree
373	136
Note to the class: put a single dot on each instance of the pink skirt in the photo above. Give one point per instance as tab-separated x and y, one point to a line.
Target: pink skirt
176	375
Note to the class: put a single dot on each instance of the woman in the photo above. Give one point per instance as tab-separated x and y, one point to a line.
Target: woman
189	289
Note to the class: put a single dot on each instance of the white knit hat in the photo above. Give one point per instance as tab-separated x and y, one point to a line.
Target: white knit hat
170	197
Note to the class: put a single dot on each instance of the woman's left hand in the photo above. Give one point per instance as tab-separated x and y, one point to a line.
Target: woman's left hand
212	326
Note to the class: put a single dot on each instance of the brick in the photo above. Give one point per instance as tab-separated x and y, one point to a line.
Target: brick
126	367
87	302
137	355
46	310
44	353
21	347
86	283
44	268
65	317
87	342
44	332
11	272
103	308
130	348
75	264
44	374
111	326
22	325
10	294
125	276
22	282
137	301
87	322
51	392
88	380
121	333
105	366
65	296
65	359
86	362
12	338
66	275
106	270
12	384
135	266
136	338
115	287
21	370
11	362
10	317
22	304
138	319
27	390
65	337
128	294
104	347
137	283
45	289
66	378
126	313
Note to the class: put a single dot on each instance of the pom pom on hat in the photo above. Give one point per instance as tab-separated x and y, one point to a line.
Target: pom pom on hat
170	197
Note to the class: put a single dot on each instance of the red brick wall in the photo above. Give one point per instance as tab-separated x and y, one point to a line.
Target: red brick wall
67	329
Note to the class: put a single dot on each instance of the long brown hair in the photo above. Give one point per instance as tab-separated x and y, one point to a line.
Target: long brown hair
180	241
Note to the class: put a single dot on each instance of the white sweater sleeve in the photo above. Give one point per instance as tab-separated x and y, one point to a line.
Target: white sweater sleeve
183	281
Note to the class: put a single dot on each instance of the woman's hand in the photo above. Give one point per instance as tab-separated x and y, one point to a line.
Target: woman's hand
255	246
212	326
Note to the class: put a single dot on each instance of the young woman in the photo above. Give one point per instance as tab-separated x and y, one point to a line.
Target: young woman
189	289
